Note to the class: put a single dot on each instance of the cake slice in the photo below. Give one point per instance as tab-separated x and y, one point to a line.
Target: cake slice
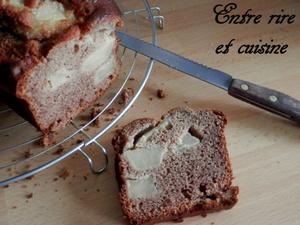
56	78
174	168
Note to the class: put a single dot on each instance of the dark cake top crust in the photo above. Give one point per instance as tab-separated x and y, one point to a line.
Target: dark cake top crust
41	19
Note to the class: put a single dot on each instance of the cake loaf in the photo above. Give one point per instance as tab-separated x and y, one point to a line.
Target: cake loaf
174	168
57	57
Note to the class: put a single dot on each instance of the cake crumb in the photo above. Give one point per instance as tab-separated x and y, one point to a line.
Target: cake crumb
14	207
95	111
29	178
150	99
79	140
48	140
55	179
161	94
64	173
126	96
29	196
131	79
6	186
59	150
27	154
85	177
111	111
98	190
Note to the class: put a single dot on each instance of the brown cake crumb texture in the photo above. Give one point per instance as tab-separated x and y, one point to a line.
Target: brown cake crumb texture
161	94
64	173
30	195
79	140
111	111
174	168
126	96
59	150
30	177
27	154
95	111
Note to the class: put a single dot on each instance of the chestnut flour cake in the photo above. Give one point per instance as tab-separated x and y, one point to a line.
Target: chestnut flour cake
57	57
174	168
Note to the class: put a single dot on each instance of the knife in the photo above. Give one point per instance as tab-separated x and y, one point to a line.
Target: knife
265	98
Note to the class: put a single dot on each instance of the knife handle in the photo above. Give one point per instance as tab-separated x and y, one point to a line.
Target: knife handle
268	99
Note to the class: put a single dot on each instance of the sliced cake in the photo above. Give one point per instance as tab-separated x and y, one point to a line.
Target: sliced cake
174	168
57	74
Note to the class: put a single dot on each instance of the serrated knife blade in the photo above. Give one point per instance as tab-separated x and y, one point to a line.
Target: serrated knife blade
265	98
202	72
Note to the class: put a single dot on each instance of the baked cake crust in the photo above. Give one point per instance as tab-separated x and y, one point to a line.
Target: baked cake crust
40	19
35	19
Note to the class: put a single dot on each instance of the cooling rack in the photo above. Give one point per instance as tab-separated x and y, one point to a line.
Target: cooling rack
22	155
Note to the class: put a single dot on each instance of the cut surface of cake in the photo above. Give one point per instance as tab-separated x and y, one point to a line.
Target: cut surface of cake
56	77
174	168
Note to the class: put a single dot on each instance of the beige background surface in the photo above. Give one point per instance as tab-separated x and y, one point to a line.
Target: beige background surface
265	149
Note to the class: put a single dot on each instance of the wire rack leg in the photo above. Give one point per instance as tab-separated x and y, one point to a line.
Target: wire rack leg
91	163
95	169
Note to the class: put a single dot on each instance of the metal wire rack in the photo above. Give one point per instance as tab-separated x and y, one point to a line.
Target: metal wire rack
21	154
